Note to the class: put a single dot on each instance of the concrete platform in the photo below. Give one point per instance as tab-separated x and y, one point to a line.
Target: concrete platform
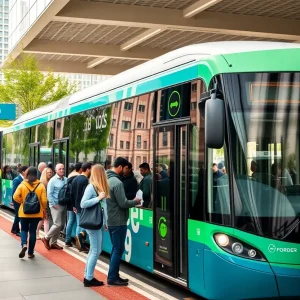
37	278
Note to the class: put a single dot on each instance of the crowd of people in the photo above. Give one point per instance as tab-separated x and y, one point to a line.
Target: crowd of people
43	197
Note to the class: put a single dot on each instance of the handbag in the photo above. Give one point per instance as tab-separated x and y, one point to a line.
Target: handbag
92	217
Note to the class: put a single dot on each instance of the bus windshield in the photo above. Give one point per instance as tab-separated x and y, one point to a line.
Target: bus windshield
264	135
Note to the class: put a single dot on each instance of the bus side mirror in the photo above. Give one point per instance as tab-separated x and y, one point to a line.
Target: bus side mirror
214	123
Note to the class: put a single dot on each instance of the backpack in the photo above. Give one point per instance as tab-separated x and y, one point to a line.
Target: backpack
64	194
31	204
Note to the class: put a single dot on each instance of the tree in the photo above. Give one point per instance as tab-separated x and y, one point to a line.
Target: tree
4	124
27	86
98	138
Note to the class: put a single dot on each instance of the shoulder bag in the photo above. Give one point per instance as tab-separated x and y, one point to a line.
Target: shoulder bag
92	217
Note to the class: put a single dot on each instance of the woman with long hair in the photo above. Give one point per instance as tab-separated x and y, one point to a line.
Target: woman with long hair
45	178
30	220
95	193
7	173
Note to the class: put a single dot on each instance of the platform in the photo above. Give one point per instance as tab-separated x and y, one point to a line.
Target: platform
53	274
36	278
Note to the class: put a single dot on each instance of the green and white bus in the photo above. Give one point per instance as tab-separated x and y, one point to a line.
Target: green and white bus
218	123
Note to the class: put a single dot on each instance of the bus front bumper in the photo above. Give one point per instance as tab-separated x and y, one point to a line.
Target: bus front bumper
230	277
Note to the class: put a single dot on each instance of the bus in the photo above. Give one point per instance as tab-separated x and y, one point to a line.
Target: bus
218	123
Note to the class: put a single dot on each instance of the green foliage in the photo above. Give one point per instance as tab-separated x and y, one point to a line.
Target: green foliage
28	87
219	152
5	123
98	138
93	140
77	135
291	161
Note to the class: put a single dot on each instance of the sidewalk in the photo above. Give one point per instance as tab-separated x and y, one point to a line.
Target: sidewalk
53	274
37	278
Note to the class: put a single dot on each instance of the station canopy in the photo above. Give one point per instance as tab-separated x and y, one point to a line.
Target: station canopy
110	36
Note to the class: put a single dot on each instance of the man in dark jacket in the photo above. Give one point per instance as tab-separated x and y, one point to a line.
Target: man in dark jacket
216	173
118	213
146	183
130	183
78	187
16	182
161	168
70	212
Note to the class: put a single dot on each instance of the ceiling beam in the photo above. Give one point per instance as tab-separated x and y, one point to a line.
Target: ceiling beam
199	6
92	50
164	18
97	61
79	67
140	38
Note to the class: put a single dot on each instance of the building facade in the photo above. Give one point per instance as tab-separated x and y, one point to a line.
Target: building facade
83	81
22	14
4	31
16	17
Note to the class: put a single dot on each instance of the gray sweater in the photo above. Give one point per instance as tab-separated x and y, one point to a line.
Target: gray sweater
117	205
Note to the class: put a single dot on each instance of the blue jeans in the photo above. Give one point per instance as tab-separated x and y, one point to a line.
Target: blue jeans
117	237
70	224
78	228
95	237
15	226
29	225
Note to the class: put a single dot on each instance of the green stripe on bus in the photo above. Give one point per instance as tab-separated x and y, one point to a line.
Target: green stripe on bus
260	61
142	216
196	231
274	250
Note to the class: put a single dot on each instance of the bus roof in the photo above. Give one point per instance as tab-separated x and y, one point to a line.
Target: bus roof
187	63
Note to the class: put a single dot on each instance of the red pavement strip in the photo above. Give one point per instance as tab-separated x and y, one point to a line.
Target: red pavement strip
76	267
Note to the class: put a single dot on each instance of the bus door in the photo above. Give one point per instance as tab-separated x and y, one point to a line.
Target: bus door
171	202
34	154
60	150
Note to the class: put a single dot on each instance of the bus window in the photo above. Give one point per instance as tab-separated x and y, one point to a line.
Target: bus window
264	136
218	207
196	156
62	128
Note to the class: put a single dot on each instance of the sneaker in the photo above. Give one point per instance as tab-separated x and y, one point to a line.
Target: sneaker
117	282
79	241
31	256
86	245
93	282
84	250
46	243
68	244
23	251
124	279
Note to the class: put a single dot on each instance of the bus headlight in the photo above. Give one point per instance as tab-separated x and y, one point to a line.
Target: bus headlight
222	240
237	247
252	253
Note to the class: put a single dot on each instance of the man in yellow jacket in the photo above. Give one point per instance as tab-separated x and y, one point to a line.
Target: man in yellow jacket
29	221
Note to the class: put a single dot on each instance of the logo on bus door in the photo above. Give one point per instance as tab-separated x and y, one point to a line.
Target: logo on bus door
174	104
162	227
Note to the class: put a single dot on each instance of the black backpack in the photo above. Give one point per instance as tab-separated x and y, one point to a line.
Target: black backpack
64	194
31	204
